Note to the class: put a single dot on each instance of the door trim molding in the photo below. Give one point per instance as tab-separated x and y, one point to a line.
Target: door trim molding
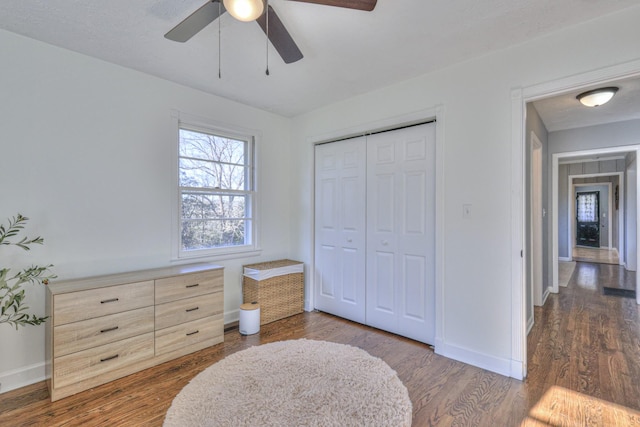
520	96
438	113
573	188
575	191
535	233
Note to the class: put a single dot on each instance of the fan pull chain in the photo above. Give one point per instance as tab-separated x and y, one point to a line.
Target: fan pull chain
267	71
219	40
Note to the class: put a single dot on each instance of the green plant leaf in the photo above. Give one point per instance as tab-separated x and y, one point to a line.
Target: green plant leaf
13	309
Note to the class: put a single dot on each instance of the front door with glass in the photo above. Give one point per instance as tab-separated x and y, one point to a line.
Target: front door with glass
588	219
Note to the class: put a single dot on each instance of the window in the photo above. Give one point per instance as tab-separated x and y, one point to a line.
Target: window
216	192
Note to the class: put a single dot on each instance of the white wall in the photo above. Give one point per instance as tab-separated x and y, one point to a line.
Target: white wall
476	96
591	137
85	152
534	124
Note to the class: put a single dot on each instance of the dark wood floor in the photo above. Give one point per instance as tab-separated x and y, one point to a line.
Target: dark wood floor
584	370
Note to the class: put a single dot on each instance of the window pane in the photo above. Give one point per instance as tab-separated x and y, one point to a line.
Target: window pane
211	147
215	184
199	173
207	234
208	206
587	207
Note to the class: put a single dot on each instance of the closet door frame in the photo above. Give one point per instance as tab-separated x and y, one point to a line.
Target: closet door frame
438	114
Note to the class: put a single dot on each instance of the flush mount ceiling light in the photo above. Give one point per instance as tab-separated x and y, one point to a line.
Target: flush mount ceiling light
245	10
597	97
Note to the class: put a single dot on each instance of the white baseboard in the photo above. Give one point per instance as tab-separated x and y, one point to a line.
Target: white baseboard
530	324
517	370
17	378
545	295
231	316
564	258
506	367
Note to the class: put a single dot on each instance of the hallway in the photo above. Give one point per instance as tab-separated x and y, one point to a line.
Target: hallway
599	255
587	345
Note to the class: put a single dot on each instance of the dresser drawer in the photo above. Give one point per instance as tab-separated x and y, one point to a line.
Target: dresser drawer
186	310
186	334
79	336
96	361
188	285
91	303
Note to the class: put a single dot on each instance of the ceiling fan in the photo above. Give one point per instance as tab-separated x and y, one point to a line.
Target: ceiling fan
277	33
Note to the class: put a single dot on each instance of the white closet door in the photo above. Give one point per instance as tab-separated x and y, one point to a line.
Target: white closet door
340	228
401	232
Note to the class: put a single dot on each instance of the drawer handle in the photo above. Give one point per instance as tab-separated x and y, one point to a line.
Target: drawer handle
102	331
194	285
192	309
109	358
106	301
192	333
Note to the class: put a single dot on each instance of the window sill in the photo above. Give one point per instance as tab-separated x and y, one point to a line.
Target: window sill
218	257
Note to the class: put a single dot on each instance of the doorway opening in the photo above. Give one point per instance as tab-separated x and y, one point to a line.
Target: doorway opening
612	212
564	236
521	215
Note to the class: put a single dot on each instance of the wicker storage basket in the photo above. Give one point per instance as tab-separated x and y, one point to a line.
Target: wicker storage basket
279	295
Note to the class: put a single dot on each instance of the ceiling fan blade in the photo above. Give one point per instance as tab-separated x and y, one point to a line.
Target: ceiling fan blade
366	5
195	22
280	37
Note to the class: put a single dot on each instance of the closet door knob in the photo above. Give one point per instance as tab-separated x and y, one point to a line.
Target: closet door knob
385	243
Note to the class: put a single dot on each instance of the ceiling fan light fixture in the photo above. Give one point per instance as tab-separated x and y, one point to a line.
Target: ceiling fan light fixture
245	10
597	97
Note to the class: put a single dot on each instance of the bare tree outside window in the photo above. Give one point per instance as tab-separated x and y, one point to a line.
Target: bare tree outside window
216	193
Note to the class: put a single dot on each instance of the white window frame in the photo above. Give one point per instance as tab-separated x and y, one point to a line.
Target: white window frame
225	252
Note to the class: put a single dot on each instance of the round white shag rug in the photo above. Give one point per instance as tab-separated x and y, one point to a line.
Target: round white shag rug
294	383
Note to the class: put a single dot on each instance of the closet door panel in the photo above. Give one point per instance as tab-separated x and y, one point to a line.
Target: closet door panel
383	183
405	157
351	276
382	292
340	229
327	228
417	313
328	218
385	212
325	278
415	204
414	276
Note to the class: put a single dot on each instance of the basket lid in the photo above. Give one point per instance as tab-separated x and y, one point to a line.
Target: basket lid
250	306
272	264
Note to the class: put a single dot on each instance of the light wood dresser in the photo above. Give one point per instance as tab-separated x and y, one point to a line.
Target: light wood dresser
106	327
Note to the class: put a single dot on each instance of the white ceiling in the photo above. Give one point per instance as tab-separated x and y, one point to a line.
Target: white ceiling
347	52
565	111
